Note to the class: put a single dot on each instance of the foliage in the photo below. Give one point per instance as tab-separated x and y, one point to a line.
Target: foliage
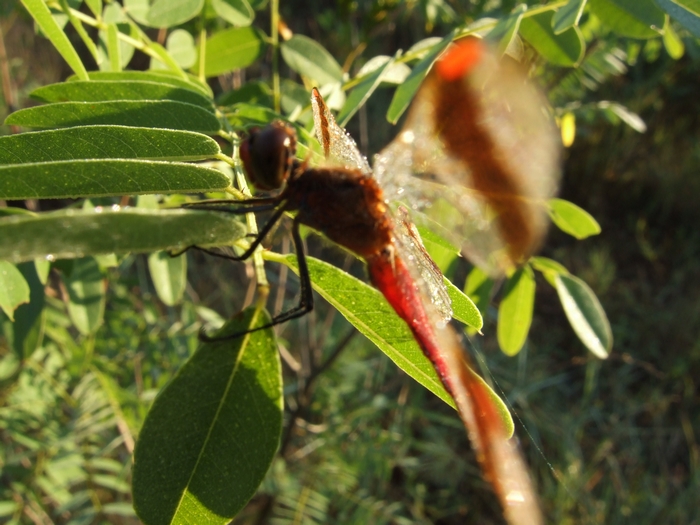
125	133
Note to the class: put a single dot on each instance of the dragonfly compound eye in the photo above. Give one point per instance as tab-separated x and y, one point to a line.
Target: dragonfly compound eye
268	155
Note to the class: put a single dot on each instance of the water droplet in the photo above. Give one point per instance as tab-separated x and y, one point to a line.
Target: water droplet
50	258
98	209
116	207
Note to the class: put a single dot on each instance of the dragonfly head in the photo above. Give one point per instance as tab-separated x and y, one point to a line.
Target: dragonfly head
268	155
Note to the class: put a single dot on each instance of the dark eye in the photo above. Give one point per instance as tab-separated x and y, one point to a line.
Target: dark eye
268	155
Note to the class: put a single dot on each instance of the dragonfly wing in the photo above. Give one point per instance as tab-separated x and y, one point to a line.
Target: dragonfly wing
339	148
480	150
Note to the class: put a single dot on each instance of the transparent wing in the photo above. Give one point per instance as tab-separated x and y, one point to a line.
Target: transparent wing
338	147
477	158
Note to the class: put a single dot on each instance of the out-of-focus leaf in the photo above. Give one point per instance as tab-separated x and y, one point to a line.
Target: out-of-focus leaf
396	73
687	12
478	288
572	219
563	49
169	13
673	44
169	276
310	59
633	18
44	19
567	125
515	311
212	433
72	233
231	49
106	90
146	113
630	118
106	142
14	289
28	327
235	12
97	178
182	48
506	29
359	95
549	268
86	295
585	314
567	16
255	92
113	50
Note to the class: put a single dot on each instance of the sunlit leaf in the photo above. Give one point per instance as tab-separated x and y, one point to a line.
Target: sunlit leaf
572	219
28	327
309	58
673	44
567	125
169	276
515	311
14	289
168	13
478	288
211	434
231	49
235	12
86	295
359	95
463	308
506	29
633	18
567	16
161	77
182	48
563	49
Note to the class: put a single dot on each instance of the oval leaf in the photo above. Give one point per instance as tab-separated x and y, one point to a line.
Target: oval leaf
161	77
563	49
463	308
14	289
585	314
687	12
503	33
231	49
235	12
151	113
182	48
86	295
310	59
515	311
478	288
169	13
211	434
573	220
633	18
72	233
99	178
567	16
169	276
106	142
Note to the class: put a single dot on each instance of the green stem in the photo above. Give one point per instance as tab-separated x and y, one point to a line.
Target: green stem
274	31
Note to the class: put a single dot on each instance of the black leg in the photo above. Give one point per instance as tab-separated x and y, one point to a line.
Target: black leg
306	301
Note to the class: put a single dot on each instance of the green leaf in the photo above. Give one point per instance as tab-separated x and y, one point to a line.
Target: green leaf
478	288
182	48
78	26
109	90
169	13
361	93
633	18
86	295
113	48
14	289
367	311
563	49
95	6
235	12
463	308
72	233
515	311
28	327
231	49
150	113
506	29
97	178
686	12
396	73
406	91
571	219
138	10
44	19
630	118
211	434
169	276
106	142
585	314
568	16
549	268
160	77
673	44
310	59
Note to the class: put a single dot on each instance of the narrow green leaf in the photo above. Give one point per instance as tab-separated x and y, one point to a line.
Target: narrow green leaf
78	26
171	66
632	18
405	92
86	295
161	77
686	12
98	178
182	48
73	233
211	434
463	308
236	12
506	29
361	93
515	311
563	49
169	13
396	73
548	266
44	19
113	49
630	118
106	142
14	289
585	314
571	219
95	6
673	44
310	59
231	49
109	90
151	113
478	288
568	16
28	327
169	276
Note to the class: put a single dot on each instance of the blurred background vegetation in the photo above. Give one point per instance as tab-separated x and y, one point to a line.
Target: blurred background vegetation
610	441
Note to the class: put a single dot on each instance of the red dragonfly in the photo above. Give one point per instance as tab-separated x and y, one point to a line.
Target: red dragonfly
480	149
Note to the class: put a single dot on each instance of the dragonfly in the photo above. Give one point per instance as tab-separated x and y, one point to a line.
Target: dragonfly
476	158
